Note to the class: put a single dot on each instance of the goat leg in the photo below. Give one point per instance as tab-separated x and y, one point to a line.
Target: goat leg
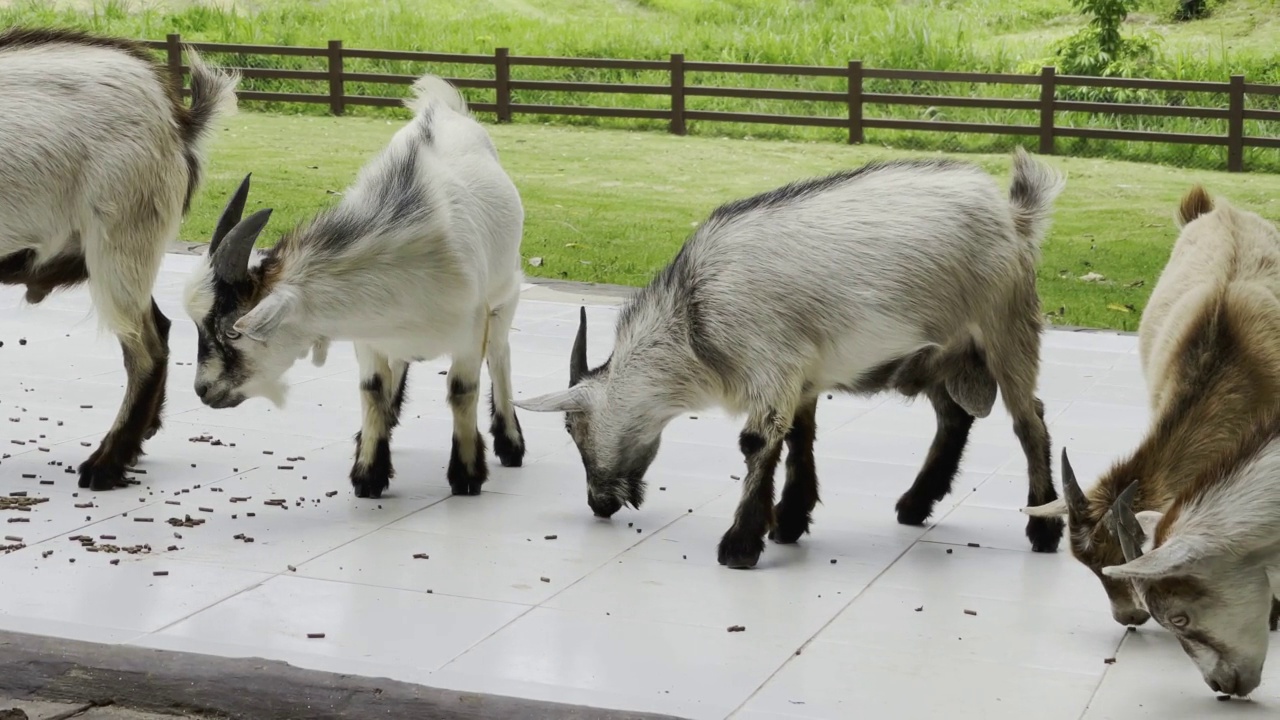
793	512
761	445
382	387
936	476
145	362
508	438
467	467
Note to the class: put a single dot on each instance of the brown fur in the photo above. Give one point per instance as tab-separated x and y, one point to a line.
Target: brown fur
1213	374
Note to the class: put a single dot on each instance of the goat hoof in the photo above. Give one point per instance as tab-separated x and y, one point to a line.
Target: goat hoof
101	477
466	487
369	487
1045	534
911	511
790	526
510	453
740	553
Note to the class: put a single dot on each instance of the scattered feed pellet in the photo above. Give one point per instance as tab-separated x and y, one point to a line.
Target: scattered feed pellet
144	520
13	538
920	609
315	636
421	556
737	628
205	510
19	520
160	573
974	545
550	537
545	579
294	569
971	612
1109	661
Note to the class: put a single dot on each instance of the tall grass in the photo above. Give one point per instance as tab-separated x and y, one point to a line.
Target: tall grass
970	35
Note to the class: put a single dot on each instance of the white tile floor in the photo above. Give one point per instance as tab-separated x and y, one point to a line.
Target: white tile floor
628	614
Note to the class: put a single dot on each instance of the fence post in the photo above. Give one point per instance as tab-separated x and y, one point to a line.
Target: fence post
1235	126
337	89
502	83
677	126
173	46
855	102
1048	94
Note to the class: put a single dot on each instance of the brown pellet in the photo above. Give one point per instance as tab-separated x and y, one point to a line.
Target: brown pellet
550	537
331	493
292	568
172	502
284	467
974	545
85	407
971	612
1109	661
160	573
27	476
315	636
421	556
545	579
13	538
172	548
106	537
737	628
205	510
142	519
116	561
46	482
19	520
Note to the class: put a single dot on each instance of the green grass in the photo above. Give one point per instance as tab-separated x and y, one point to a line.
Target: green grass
613	207
972	35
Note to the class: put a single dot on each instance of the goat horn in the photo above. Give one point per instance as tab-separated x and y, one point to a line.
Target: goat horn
230	214
231	263
1125	525
1077	504
578	357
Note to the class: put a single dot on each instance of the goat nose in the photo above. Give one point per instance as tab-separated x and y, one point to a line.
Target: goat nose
1134	617
202	388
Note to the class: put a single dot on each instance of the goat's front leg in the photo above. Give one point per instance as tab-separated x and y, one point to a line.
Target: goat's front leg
467	468
799	496
146	359
382	387
761	444
1275	614
508	439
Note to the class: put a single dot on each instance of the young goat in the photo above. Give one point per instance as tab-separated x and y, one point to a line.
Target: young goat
916	276
99	160
420	258
1209	343
1186	527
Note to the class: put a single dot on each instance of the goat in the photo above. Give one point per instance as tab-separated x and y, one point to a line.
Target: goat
99	161
1209	344
915	276
420	258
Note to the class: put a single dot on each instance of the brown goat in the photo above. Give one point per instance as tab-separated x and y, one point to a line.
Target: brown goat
1209	343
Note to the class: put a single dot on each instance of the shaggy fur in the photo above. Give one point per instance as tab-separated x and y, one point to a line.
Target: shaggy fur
99	160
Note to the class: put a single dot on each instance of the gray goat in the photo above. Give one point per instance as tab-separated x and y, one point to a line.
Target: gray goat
914	276
99	159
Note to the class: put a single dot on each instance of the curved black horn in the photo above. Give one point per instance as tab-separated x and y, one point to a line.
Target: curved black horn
231	214
231	261
1077	503
1125	525
578	357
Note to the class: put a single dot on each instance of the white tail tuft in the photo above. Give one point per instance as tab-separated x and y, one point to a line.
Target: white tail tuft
429	90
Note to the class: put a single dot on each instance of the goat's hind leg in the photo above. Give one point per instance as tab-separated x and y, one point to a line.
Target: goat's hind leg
146	358
508	439
793	514
382	388
157	400
936	476
467	467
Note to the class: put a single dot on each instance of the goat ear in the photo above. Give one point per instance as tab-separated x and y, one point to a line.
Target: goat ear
1057	508
231	260
231	214
1148	520
578	356
263	320
1177	557
572	400
320	352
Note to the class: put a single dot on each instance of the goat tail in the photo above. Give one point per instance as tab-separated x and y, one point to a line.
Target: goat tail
1034	187
429	90
213	94
1194	204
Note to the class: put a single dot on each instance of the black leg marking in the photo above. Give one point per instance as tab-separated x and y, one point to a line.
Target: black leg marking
467	467
510	452
939	470
157	405
146	370
1044	533
370	481
742	545
1275	614
800	494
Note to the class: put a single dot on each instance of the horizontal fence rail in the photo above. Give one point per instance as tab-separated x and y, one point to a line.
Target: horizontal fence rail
331	82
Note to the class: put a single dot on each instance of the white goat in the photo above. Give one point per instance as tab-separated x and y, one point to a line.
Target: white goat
420	258
99	160
917	276
1200	561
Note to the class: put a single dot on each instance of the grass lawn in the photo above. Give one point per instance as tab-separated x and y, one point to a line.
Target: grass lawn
612	206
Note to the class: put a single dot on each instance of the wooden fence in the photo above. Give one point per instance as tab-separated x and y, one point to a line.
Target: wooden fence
1233	109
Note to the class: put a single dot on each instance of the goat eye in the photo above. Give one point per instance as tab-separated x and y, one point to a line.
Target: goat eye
1180	621
232	334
